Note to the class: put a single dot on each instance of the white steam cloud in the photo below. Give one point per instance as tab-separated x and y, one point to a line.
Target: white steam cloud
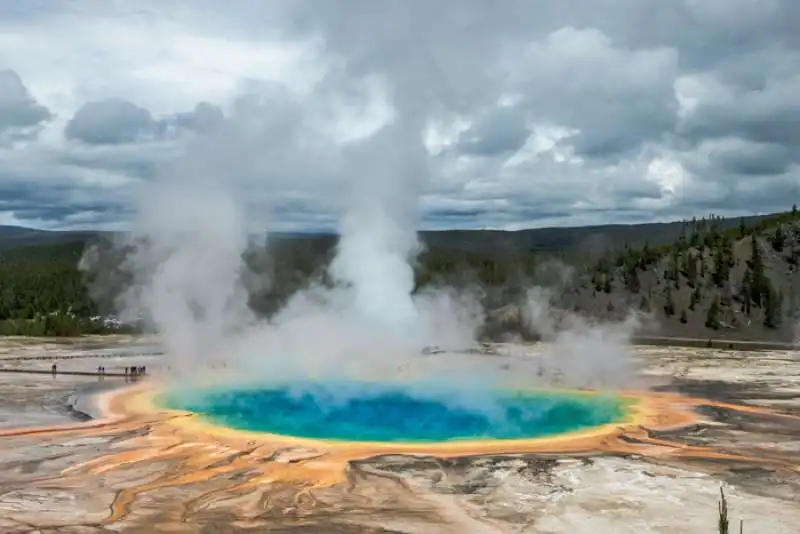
378	228
581	352
195	220
191	231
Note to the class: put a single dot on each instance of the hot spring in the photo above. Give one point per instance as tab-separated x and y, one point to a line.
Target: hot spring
397	413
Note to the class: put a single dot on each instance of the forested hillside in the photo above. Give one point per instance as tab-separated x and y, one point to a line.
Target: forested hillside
43	293
738	283
710	277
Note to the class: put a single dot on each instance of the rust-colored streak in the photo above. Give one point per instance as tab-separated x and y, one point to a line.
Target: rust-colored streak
200	453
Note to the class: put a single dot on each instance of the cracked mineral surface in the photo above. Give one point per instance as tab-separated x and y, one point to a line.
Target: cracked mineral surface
150	473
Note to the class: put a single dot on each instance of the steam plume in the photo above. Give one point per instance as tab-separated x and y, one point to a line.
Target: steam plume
193	224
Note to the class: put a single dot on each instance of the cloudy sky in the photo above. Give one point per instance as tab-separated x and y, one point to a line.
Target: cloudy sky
531	113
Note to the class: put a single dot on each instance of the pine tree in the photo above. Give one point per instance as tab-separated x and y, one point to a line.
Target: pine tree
632	281
747	291
759	284
721	268
675	266
669	304
597	281
778	239
695	298
646	256
690	268
712	317
772	308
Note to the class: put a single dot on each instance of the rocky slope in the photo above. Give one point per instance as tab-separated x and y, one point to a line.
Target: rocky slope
741	283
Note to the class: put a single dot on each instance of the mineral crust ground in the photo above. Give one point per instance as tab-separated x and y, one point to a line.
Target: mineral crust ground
702	418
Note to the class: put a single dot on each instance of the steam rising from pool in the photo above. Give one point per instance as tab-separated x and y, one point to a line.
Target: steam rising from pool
364	316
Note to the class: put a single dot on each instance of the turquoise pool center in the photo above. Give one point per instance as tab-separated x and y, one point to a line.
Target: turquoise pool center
375	412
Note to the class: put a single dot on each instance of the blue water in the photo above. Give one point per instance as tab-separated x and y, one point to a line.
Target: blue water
389	413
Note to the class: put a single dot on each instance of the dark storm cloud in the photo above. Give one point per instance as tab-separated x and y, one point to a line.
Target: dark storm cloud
737	38
603	71
110	121
500	132
489	214
710	32
753	194
117	121
204	118
50	204
139	166
756	120
18	109
755	160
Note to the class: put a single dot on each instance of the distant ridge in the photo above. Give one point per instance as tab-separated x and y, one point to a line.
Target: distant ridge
601	237
18	236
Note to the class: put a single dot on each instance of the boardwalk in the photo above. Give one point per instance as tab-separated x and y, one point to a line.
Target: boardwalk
66	373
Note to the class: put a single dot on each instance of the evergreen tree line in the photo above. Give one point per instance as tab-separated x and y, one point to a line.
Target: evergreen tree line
702	259
42	292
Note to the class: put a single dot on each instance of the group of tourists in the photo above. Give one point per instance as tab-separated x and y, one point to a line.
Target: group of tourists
136	371
129	372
